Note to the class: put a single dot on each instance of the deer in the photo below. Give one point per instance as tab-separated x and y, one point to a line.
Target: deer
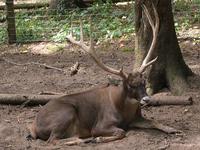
101	114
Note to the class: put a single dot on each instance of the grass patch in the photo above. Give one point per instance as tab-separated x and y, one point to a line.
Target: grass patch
108	21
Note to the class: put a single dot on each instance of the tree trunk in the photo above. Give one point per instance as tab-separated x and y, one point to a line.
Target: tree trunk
61	5
170	69
10	16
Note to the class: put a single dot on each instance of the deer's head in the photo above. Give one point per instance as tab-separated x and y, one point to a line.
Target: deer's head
134	82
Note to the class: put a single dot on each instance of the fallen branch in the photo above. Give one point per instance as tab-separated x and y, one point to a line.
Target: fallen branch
74	69
170	100
34	63
27	99
26	6
31	99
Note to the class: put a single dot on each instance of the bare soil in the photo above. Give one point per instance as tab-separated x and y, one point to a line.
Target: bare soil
35	79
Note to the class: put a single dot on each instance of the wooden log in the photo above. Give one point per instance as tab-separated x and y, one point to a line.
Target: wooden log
170	100
26	6
31	99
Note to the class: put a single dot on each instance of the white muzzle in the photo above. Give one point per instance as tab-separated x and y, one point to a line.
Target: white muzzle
145	100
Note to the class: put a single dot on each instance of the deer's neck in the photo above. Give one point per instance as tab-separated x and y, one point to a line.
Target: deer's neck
118	96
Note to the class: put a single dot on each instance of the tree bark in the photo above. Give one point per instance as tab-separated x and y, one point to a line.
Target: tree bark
10	16
170	70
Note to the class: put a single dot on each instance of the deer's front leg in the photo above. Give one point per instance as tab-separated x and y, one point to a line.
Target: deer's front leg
149	124
104	135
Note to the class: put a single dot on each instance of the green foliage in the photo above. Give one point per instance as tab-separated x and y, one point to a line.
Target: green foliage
3	34
182	5
182	24
30	30
185	5
63	5
186	13
108	22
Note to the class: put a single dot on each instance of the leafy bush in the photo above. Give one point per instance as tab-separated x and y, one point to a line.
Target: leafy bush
186	13
3	35
108	21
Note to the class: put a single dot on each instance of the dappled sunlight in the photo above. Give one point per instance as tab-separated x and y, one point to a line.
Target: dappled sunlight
194	32
46	47
196	66
43	48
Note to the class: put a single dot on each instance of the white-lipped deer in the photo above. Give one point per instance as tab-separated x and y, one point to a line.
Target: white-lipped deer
102	114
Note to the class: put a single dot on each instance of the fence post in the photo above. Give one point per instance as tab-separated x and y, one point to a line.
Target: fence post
10	16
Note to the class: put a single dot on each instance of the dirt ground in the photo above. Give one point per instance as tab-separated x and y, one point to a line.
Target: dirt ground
34	79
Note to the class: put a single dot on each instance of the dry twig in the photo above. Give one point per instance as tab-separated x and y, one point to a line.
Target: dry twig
75	68
33	63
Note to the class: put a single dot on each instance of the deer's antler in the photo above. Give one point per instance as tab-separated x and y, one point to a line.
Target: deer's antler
91	51
155	27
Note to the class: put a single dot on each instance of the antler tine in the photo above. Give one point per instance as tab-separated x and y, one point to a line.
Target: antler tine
99	63
146	62
148	16
156	18
92	53
81	31
91	30
71	27
81	42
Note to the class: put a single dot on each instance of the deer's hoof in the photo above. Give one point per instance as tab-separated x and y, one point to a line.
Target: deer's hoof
174	131
97	140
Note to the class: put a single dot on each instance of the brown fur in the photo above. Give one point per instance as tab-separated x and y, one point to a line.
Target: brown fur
105	112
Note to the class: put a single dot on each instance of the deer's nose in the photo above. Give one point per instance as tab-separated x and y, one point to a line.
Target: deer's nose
145	100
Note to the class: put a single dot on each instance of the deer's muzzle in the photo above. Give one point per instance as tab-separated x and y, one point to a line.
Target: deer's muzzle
145	100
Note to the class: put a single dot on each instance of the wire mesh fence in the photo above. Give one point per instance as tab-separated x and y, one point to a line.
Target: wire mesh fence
108	21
